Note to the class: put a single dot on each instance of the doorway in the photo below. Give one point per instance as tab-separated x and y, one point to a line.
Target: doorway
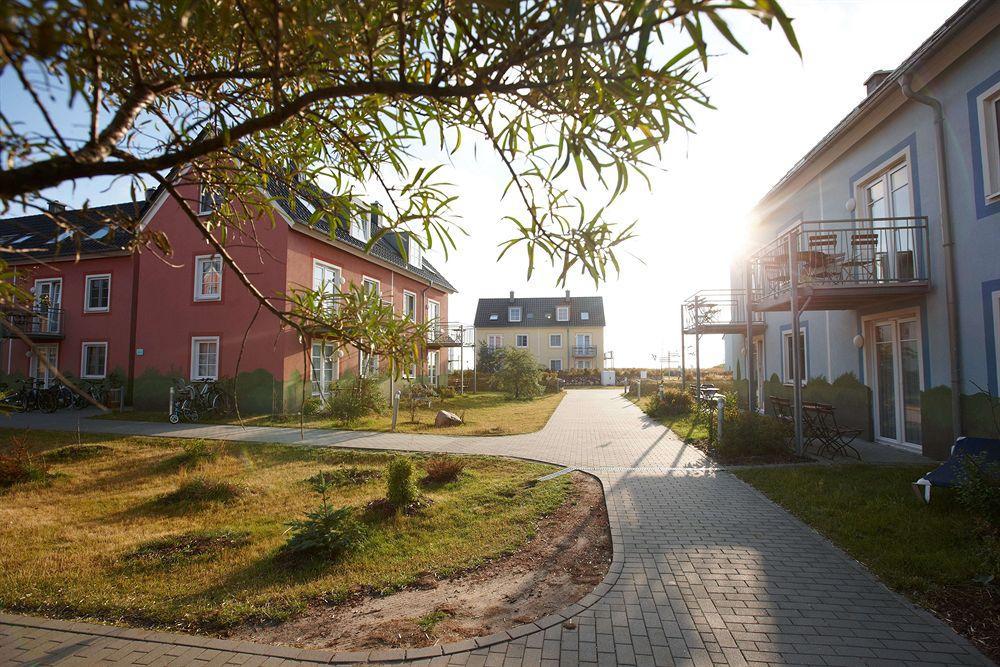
48	302
40	371
897	380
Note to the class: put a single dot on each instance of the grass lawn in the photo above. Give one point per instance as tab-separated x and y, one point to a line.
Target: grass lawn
111	537
485	413
931	553
691	428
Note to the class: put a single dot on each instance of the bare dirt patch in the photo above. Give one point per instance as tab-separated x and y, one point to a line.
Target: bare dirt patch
566	559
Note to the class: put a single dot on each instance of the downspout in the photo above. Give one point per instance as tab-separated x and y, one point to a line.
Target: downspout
947	245
133	324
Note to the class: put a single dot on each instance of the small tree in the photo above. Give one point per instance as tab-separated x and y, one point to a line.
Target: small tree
490	358
519	375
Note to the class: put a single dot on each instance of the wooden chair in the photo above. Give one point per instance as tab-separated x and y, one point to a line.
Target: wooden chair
833	438
862	266
824	262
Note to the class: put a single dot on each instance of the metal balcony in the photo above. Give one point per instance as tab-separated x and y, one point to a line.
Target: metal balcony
842	264
36	322
584	351
718	311
446	334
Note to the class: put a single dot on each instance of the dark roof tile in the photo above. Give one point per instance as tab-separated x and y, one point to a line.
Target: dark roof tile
541	312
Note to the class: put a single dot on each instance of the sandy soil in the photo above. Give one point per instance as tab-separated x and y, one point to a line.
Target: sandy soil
567	558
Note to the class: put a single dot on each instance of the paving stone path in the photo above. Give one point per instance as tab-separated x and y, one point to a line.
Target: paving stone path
706	570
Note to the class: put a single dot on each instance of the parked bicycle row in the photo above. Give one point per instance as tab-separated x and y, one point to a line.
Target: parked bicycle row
200	398
26	395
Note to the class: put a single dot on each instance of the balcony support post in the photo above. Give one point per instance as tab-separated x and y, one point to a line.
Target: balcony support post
750	367
683	354
697	349
793	277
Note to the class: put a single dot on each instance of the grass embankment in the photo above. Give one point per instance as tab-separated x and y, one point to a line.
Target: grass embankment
485	413
935	554
140	531
692	427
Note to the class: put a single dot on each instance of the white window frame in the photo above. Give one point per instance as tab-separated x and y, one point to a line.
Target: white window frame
786	369
412	314
199	274
584	364
584	314
363	368
195	340
517	341
555	335
83	360
414	252
510	313
881	173
316	391
562	314
553	362
86	293
214	198
37	370
361	229
989	141
494	341
366	281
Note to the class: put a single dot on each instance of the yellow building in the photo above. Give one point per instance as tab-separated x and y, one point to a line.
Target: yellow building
559	332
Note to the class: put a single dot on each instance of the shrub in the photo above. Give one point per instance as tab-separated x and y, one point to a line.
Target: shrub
414	395
325	531
446	392
670	402
400	490
550	382
18	466
751	434
312	406
489	359
519	375
978	489
351	476
74	453
202	490
355	398
441	469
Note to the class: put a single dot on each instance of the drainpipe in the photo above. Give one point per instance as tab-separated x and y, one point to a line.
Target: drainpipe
947	245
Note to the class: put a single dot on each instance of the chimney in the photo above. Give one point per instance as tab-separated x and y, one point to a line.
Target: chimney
149	193
876	79
567	294
512	295
56	206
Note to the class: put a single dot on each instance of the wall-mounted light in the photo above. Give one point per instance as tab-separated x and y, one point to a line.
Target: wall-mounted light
859	341
850	205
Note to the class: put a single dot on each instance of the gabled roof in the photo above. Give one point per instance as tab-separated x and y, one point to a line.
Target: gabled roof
541	312
100	232
301	205
889	85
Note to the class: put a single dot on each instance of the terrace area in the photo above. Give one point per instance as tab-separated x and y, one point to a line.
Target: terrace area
842	264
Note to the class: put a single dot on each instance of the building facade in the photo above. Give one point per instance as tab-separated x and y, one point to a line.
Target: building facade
561	333
891	228
150	317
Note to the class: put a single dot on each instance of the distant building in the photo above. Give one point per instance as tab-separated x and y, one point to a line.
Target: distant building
560	332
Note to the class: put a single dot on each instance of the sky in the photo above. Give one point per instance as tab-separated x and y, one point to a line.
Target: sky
771	107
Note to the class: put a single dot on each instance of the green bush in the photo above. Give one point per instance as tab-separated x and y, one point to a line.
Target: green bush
670	402
519	375
325	531
441	469
978	489
202	490
446	392
355	398
489	359
400	490
312	406
752	434
550	382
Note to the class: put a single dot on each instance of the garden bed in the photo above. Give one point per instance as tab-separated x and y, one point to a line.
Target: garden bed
936	554
485	413
153	533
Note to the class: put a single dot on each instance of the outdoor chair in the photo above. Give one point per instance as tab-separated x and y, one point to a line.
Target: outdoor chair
985	451
822	262
834	439
863	261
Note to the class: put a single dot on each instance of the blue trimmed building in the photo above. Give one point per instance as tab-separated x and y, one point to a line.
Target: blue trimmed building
886	236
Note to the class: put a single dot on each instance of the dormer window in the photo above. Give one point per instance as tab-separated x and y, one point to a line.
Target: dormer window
208	200
361	230
494	317
414	253
562	313
584	315
514	314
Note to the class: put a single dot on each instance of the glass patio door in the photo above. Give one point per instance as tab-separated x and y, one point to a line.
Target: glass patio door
48	302
896	361
39	370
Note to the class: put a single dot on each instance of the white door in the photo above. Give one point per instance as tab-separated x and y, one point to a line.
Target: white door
433	319
48	301
897	381
40	371
583	342
432	368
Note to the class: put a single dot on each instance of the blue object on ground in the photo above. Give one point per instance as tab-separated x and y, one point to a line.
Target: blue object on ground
986	450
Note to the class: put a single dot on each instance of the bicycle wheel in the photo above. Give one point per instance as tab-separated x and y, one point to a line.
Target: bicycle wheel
48	401
222	404
78	402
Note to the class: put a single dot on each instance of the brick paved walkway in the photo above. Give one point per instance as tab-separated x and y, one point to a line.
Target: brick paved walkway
706	570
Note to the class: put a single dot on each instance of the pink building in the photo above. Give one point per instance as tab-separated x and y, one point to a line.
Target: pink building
150	319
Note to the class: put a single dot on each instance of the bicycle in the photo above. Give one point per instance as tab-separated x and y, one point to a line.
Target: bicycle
213	399
185	403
